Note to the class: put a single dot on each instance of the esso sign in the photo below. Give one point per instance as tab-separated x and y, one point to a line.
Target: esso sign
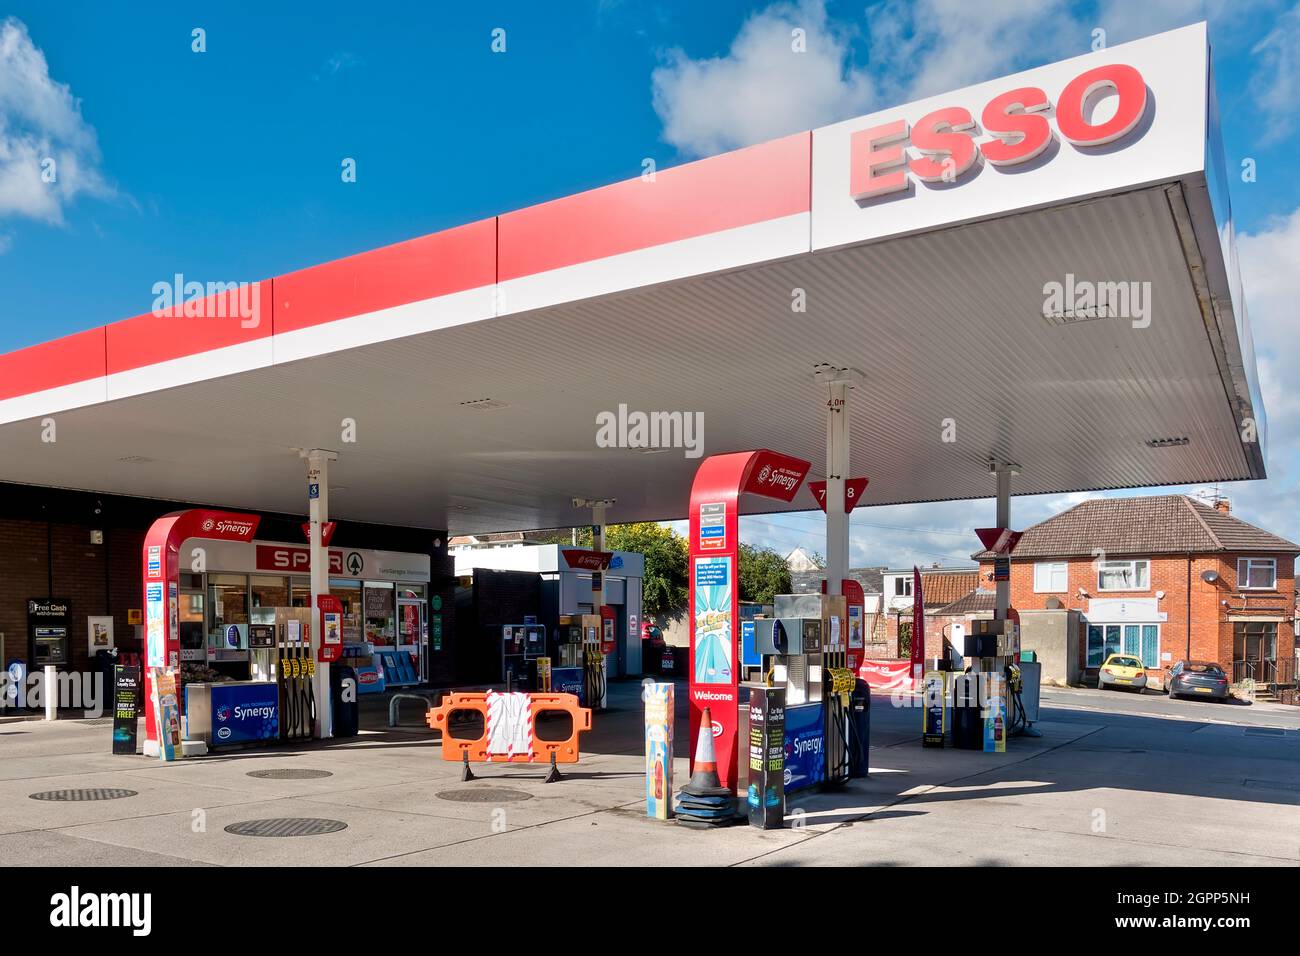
944	140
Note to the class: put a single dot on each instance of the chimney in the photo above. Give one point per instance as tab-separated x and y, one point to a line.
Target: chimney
1221	505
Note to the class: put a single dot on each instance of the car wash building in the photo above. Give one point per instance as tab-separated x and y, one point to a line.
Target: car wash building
1047	259
566	586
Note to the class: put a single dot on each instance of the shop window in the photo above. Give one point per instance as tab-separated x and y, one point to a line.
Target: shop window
349	594
300	592
1257	574
1139	640
1123	575
228	605
1051	576
380	621
270	591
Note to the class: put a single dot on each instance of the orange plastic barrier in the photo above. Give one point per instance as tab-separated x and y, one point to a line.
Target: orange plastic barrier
554	751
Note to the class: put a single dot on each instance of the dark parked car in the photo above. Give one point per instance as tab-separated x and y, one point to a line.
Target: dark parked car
652	647
1197	679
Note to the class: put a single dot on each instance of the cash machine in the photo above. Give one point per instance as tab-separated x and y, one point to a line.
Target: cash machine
521	647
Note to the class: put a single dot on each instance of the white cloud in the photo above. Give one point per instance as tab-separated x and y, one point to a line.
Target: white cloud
41	128
1276	81
923	47
762	88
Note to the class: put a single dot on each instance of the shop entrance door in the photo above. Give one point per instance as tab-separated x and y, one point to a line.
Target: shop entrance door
410	631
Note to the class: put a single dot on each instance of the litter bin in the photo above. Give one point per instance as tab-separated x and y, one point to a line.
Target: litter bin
860	729
347	713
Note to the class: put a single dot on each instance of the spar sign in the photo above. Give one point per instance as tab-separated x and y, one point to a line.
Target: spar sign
714	600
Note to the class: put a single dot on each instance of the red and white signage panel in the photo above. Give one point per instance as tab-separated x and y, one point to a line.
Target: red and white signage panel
887	675
1084	126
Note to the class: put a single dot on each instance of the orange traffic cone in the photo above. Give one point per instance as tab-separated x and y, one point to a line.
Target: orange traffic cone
704	780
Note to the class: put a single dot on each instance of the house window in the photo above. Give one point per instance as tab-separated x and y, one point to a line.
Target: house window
902	587
1051	576
1123	575
1257	574
1139	640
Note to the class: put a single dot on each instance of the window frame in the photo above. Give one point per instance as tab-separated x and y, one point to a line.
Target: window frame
1243	580
1065	570
1132	563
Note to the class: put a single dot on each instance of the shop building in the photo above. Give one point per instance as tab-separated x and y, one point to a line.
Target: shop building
1163	578
82	551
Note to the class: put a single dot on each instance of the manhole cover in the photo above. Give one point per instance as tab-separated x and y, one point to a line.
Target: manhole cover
286	827
289	773
483	795
90	793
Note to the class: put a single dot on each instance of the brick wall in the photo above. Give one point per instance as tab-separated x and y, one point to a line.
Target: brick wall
1210	634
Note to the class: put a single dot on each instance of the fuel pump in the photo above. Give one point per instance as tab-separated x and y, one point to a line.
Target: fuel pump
295	671
804	648
593	661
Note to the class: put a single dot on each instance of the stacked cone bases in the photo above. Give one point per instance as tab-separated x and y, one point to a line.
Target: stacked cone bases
704	802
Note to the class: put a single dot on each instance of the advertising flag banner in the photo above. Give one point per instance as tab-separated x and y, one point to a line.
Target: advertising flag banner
918	627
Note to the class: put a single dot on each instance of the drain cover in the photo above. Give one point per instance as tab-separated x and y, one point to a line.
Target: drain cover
1265	732
483	795
91	793
1270	785
289	773
286	827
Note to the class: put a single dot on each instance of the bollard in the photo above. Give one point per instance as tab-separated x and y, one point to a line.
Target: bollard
51	692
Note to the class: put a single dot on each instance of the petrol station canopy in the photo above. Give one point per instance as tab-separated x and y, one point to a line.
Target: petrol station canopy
474	362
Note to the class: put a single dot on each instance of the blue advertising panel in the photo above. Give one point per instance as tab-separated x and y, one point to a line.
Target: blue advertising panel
569	680
245	713
749	656
805	747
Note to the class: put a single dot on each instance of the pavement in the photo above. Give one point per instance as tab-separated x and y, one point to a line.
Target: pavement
1116	779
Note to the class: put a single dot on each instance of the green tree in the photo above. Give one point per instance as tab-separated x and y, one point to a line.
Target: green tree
663	589
763	574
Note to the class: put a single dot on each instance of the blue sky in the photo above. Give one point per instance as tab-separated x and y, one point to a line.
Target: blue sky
226	164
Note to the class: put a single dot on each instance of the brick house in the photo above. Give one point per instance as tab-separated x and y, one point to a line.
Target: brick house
939	588
1164	578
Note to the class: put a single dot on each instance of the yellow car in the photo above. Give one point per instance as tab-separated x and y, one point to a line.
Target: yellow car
1122	670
